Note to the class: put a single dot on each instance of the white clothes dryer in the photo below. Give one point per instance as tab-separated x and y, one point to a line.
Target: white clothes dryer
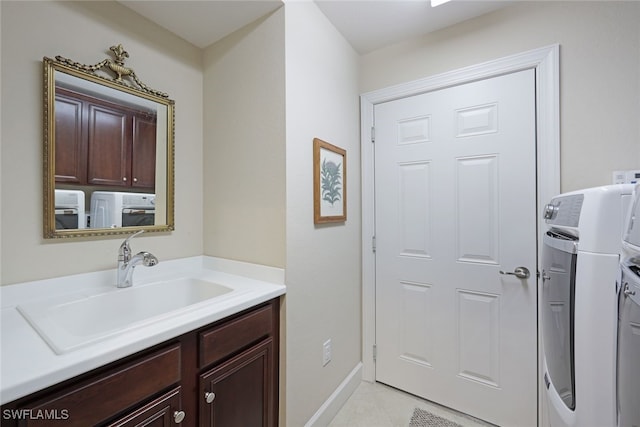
628	367
628	355
580	264
111	209
69	209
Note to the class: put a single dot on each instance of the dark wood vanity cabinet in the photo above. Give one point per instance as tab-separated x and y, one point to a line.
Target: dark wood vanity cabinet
231	368
162	412
95	398
222	375
103	143
247	375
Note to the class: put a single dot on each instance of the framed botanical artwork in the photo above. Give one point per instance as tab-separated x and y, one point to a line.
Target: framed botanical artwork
329	183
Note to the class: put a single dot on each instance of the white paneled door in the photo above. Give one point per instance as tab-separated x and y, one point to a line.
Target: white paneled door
455	204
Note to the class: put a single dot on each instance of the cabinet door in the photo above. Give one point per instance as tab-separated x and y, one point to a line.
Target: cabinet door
71	153
143	163
164	411
109	145
99	398
242	390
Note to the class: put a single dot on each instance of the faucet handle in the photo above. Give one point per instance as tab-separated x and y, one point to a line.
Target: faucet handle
125	250
126	242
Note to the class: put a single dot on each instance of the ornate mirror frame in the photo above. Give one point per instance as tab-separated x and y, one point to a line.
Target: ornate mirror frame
125	81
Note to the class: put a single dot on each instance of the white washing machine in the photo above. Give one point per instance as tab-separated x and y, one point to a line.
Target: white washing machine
69	209
628	357
580	264
110	209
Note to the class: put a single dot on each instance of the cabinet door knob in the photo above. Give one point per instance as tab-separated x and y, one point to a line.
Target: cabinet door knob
124	179
178	416
135	179
209	396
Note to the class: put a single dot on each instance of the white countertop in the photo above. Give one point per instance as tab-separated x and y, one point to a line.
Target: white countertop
28	364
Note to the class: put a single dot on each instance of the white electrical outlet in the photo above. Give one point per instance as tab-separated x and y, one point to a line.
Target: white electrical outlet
326	352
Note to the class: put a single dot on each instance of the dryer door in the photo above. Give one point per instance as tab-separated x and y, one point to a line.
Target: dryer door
629	347
66	219
559	255
138	217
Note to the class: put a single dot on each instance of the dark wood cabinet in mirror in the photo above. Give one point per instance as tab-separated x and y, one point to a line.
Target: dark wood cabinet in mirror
108	150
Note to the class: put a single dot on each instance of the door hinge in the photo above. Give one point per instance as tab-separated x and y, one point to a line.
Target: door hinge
373	134
375	352
373	244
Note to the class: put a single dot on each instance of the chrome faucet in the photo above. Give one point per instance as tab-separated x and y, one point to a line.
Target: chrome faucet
126	262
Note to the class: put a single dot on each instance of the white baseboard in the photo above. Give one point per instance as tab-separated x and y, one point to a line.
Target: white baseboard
332	405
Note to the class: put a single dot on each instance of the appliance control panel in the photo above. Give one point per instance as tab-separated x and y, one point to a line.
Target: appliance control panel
626	177
140	200
564	211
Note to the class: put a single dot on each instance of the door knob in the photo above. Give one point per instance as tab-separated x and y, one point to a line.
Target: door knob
209	397
519	272
178	416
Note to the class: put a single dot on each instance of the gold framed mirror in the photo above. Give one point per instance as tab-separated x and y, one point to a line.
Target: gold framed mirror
108	150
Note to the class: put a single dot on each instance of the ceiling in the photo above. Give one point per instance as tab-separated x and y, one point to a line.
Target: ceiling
367	24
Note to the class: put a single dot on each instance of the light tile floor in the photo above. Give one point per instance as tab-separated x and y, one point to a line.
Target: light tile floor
378	405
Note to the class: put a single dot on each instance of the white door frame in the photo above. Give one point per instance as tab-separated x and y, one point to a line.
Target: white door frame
546	63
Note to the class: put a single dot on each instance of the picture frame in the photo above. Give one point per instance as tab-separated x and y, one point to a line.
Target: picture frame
329	183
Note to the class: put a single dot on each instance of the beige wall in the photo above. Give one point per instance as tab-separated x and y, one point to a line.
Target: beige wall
232	132
244	147
599	73
246	116
323	262
83	31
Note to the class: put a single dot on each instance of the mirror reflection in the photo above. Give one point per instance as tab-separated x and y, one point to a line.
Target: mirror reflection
108	154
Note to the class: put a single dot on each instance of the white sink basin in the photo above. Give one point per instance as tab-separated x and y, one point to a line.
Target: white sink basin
73	321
